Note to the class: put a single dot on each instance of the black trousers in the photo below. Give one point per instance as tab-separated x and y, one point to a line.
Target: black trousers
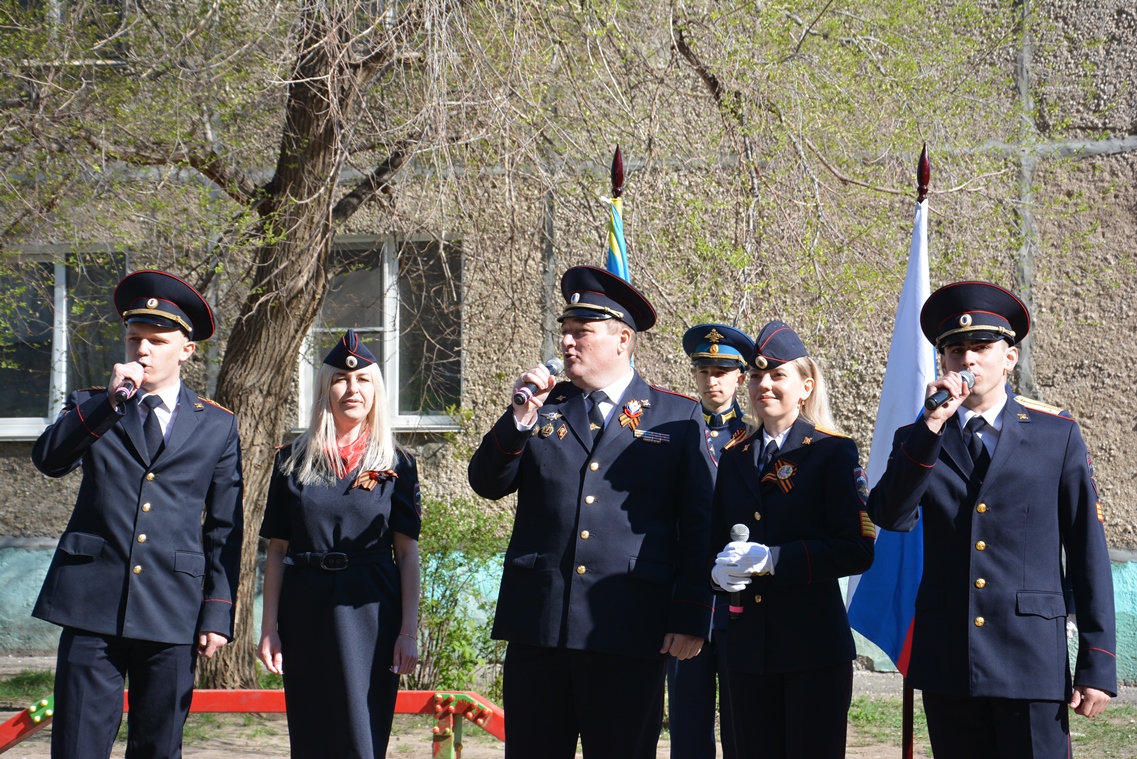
89	678
792	716
613	703
692	685
997	728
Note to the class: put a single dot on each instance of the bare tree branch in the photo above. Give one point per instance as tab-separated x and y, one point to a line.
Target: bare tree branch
375	182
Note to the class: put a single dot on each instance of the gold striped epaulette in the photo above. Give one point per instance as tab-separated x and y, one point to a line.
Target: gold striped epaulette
1034	405
212	402
830	433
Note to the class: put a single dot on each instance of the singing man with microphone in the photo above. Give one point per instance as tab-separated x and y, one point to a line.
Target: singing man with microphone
1004	487
605	574
145	575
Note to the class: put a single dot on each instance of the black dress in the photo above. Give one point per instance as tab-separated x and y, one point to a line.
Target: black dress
338	627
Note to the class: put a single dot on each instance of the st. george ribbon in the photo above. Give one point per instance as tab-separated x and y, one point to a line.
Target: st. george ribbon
528	390
940	397
740	533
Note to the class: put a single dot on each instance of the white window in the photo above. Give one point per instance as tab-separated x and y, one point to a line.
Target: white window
404	299
58	332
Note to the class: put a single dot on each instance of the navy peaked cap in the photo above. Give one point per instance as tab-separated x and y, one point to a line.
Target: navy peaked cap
595	294
159	298
973	311
717	345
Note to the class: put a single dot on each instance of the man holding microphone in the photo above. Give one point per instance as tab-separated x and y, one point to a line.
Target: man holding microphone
605	574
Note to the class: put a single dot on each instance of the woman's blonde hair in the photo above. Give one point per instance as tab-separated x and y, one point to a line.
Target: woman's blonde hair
815	408
315	456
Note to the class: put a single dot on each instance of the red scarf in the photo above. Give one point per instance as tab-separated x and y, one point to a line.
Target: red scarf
352	453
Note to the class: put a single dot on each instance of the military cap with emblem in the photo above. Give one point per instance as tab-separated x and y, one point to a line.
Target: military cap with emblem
775	345
350	353
159	298
973	311
717	345
596	294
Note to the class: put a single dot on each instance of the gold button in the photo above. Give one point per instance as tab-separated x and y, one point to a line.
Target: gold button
141	538
979	621
137	569
584	534
146	507
981	546
594	466
714	433
757	516
757	599
590	499
981	508
149	476
581	570
980	583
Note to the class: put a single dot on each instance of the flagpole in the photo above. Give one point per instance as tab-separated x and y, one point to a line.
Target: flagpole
907	738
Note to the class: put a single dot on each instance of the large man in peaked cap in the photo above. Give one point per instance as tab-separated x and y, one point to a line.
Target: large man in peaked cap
145	575
1004	486
605	574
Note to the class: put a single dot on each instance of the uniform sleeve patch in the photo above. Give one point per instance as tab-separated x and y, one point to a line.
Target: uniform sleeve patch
862	482
1101	514
868	529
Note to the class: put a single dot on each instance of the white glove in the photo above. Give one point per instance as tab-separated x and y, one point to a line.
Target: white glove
728	576
753	557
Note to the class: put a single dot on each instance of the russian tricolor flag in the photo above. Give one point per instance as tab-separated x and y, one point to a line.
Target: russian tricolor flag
882	601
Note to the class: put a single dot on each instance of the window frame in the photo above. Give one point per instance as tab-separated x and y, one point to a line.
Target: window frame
388	333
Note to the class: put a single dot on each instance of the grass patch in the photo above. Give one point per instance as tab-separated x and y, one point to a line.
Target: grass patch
26	687
1113	734
880	720
200	728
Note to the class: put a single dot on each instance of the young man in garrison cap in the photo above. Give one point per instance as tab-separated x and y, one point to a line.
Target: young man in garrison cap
1006	486
145	575
718	356
605	575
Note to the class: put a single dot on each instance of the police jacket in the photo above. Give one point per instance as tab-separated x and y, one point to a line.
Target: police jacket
990	613
152	551
608	547
808	504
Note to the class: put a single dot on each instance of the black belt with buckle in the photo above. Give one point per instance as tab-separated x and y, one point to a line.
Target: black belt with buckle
334	561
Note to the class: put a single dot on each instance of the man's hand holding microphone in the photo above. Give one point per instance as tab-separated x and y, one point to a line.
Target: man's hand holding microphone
532	388
125	381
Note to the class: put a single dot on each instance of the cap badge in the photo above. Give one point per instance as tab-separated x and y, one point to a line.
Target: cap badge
575	298
713	349
965	320
152	303
714	335
760	362
351	362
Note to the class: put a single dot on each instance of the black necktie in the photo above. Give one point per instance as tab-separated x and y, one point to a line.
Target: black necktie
979	456
768	454
152	428
595	415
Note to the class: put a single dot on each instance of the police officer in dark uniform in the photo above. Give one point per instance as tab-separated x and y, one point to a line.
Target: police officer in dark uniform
1006	486
145	575
797	488
718	359
605	574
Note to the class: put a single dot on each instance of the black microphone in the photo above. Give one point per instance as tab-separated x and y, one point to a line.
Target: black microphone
940	397
124	391
528	390
740	533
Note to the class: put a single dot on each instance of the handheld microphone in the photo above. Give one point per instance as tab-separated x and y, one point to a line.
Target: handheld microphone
740	533
124	391
940	397
528	390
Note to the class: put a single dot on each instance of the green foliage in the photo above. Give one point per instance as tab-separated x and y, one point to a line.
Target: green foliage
461	545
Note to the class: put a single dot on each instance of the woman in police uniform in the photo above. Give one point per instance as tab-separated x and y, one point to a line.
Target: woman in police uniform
342	580
797	487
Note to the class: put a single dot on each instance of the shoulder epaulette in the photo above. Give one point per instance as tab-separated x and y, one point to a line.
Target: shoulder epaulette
212	402
1045	408
674	392
96	389
830	433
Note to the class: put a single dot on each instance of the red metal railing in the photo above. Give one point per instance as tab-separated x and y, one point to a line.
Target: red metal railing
451	711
